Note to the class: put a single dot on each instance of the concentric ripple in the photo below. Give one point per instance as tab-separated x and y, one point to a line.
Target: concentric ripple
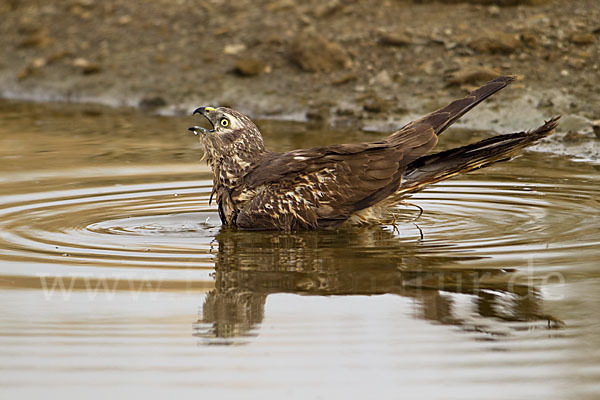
137	219
122	268
162	223
511	219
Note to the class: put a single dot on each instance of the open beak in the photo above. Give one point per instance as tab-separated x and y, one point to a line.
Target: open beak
198	129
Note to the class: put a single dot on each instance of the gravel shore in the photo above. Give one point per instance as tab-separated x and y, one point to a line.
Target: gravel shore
360	64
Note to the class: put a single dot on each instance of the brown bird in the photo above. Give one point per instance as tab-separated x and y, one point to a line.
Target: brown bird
360	183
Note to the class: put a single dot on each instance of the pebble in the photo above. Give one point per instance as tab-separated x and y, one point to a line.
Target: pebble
596	128
279	5
493	10
471	75
318	114
38	62
529	38
37	39
572	137
233	49
574	123
124	20
496	43
394	39
327	9
249	66
31	69
345	78
151	103
56	56
313	53
382	79
582	38
376	104
87	67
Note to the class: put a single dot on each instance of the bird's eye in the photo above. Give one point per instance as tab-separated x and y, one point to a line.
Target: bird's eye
224	122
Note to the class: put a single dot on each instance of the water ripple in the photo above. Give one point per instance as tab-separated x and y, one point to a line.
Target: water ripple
161	224
166	220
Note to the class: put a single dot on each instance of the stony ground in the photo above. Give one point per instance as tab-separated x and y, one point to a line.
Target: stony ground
364	63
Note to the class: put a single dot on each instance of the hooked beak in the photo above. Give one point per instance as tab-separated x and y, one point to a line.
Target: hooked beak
198	129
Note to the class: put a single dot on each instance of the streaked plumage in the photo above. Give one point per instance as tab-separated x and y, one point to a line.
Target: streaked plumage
325	187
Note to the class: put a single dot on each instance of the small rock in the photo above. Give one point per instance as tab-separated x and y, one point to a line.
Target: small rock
59	55
28	26
38	62
596	127
574	123
471	75
151	103
582	38
233	49
80	12
428	67
37	39
577	63
327	9
552	55
394	39
345	78
87	67
318	114
496	43
279	5
345	112
85	3
382	78
313	53
249	66
545	102
529	37
572	137
34	67
376	104
24	74
124	20
493	10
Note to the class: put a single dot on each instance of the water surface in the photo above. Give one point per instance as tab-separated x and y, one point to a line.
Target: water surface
117	277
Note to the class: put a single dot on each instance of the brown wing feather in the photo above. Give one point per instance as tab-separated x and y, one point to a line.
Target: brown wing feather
441	119
322	187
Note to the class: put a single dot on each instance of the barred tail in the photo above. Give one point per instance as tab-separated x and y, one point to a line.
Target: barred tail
440	166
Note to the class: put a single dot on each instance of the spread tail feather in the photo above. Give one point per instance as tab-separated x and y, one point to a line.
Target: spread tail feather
440	166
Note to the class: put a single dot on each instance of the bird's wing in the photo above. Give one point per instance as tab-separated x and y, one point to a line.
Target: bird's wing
441	119
322	187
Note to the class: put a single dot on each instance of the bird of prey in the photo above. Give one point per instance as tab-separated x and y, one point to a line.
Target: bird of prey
358	183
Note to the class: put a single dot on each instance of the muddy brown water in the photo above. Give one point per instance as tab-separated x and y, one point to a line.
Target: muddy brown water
117	277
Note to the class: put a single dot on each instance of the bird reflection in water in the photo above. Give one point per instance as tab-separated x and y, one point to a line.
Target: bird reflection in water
357	261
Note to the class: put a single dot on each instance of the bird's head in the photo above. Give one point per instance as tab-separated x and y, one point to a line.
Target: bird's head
224	121
232	134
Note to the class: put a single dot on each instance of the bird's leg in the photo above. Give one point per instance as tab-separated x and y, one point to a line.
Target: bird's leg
415	205
394	226
420	232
